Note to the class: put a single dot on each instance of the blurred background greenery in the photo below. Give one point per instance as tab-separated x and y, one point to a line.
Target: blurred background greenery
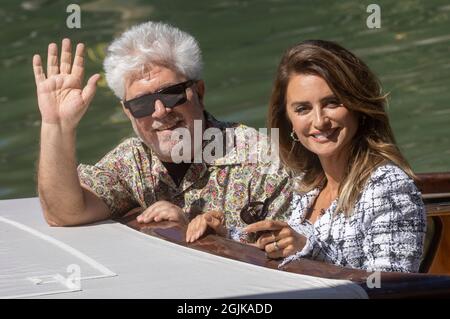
242	42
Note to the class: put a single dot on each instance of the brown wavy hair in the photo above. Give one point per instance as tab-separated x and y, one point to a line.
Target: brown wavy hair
359	90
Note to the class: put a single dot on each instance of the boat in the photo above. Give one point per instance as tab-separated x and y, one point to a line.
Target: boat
433	279
125	259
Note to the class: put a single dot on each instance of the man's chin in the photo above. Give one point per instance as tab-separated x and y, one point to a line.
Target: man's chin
162	146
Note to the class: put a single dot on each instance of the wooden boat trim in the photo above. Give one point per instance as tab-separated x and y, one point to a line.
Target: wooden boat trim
432	183
438	209
436	196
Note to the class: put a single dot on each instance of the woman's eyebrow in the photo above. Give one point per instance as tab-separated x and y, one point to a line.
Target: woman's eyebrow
328	98
323	100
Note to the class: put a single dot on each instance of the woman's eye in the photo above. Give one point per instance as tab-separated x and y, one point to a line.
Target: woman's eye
301	109
333	104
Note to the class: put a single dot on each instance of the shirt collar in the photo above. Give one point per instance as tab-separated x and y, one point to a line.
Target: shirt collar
236	155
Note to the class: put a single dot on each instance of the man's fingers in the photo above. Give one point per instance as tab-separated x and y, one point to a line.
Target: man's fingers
39	75
158	204
151	214
162	210
190	230
52	60
195	230
78	62
145	217
66	56
89	90
265	225
201	229
163	215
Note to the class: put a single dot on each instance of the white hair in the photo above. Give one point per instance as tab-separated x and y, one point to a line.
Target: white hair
151	43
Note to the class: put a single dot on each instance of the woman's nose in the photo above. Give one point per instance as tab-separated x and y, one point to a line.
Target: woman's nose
160	110
321	120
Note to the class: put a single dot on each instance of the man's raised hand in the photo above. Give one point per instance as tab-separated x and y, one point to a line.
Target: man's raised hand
62	99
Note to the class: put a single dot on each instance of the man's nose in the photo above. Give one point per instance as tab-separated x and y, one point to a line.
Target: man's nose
160	110
321	120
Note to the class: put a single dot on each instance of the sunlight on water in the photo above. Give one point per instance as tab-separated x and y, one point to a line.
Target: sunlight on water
242	42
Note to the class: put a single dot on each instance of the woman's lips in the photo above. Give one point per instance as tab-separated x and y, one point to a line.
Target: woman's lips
324	137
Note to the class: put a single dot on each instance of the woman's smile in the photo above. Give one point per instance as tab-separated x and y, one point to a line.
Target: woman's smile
325	136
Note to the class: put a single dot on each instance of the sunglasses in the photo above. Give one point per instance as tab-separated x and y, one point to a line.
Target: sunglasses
254	212
170	96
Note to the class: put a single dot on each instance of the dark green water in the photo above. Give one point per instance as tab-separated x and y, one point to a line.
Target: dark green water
242	42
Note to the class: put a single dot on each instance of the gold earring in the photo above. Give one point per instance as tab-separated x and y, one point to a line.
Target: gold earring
294	138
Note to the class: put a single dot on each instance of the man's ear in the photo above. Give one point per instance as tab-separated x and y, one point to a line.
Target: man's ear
200	84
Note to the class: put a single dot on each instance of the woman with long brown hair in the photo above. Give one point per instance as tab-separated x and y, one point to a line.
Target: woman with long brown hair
356	204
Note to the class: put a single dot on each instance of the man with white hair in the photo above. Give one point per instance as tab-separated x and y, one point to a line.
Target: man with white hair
155	70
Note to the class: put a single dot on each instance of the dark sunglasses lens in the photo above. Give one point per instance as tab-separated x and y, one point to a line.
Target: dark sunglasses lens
175	89
170	97
172	100
141	107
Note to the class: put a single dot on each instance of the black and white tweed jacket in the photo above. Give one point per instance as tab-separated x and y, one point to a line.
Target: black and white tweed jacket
385	232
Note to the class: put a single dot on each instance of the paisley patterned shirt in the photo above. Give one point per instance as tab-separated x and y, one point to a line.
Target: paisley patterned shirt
385	232
132	176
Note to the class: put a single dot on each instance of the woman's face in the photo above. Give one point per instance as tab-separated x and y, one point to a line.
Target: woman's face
323	125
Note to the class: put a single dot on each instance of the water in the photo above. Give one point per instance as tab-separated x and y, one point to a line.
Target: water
242	42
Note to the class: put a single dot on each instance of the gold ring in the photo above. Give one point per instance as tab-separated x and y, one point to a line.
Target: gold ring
275	245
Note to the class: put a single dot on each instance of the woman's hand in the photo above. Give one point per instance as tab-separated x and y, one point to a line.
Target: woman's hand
198	226
62	99
162	210
279	240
